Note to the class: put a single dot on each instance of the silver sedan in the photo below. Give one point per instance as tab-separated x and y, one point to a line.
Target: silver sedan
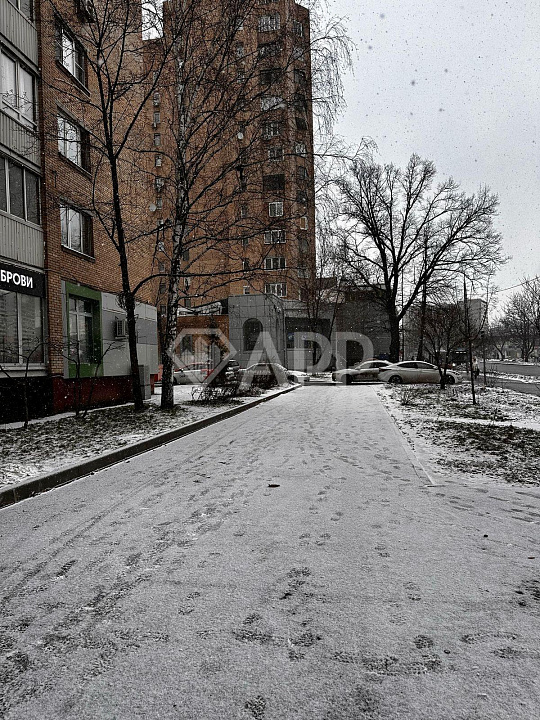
415	371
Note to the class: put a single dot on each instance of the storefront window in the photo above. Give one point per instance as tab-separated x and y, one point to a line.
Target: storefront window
81	330
21	328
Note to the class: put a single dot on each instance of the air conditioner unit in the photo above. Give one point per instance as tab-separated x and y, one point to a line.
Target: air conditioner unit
120	329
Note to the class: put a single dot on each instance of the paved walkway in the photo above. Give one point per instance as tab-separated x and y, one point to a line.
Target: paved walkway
182	585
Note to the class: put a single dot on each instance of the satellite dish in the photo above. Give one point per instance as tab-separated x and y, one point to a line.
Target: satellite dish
152	207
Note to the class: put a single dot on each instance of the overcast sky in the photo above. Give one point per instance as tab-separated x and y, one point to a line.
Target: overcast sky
458	83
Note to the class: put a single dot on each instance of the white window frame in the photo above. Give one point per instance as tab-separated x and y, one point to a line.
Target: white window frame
276	153
20	350
300	149
272	129
71	53
34	177
246	290
274	237
14	101
278	289
269	23
272	102
277	262
70	238
304	222
275	208
70	140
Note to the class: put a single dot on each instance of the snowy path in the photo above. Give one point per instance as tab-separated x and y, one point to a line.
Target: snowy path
180	585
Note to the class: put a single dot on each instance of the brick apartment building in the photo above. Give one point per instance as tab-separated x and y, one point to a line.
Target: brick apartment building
59	276
60	316
265	224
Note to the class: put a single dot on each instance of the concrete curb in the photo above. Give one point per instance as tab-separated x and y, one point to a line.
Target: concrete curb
418	467
36	485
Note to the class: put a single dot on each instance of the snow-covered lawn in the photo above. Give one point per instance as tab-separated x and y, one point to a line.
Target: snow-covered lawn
51	443
498	438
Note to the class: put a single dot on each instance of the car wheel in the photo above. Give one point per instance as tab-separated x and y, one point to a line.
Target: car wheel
395	379
346	379
450	380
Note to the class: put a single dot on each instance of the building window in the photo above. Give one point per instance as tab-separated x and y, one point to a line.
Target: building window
238	23
273	182
275	153
270	76
17	90
302	272
303	223
156	99
298	28
84	335
25	6
187	303
271	237
279	289
268	23
269	49
240	77
185	256
301	173
19	191
271	129
300	78
242	179
301	123
243	211
251	331
300	149
246	290
271	102
70	53
159	183
157	139
158	160
239	50
73	142
156	118
301	197
274	263
76	230
21	328
159	203
275	209
298	53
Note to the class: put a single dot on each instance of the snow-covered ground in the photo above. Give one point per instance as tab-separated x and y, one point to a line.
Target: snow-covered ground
496	439
62	440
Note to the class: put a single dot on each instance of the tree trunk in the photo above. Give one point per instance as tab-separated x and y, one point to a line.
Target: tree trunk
395	343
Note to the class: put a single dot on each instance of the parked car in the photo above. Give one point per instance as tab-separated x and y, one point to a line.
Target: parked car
415	371
364	371
193	373
268	374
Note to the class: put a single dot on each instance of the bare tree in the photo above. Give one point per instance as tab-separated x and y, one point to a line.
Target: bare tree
401	233
522	318
114	116
222	92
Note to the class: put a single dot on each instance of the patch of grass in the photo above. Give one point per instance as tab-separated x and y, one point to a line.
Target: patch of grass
506	452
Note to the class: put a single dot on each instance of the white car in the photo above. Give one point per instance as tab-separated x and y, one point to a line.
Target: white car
193	373
415	371
364	371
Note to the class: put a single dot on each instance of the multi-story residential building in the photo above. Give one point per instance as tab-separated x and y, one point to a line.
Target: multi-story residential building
265	224
22	255
59	272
